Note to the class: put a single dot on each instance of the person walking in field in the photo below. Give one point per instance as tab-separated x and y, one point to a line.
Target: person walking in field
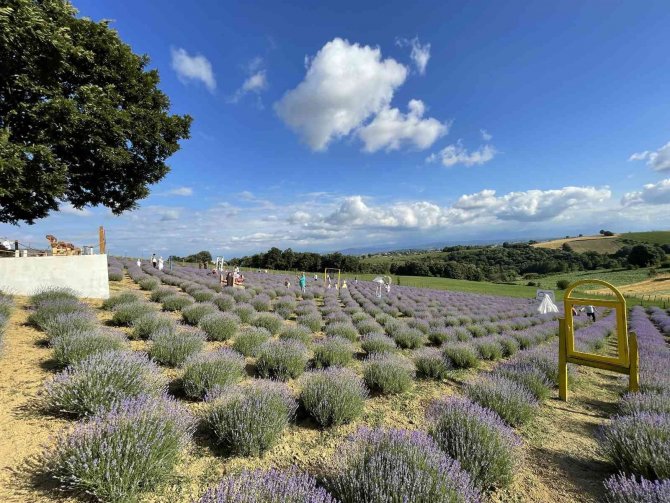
591	312
154	261
139	263
160	263
303	283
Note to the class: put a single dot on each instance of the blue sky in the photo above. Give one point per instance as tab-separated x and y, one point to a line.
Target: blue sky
327	126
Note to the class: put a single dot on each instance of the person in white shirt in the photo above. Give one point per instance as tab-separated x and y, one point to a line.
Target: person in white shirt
590	312
139	263
160	263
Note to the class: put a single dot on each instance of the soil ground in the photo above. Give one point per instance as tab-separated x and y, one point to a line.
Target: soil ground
562	462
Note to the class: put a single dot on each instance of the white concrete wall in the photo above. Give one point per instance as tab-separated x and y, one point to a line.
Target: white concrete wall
85	274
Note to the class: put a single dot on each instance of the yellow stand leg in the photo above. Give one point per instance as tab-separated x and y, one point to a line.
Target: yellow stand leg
562	361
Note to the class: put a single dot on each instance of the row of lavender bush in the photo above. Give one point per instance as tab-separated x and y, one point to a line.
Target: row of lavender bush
638	439
6	308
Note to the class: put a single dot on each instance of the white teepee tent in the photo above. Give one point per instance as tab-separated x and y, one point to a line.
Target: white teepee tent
547	306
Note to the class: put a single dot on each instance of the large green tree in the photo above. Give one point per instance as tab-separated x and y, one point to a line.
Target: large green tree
81	118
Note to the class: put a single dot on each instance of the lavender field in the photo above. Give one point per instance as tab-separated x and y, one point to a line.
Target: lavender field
178	389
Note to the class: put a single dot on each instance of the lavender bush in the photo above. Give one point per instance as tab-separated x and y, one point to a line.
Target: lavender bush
53	294
461	354
102	380
482	443
333	351
70	323
283	359
116	455
77	346
488	348
379	466
149	283
48	311
269	321
512	401
205	371
409	338
195	312
529	376
219	326
115	274
342	329
333	396
245	311
388	374
148	324
377	343
176	302
249	340
297	333
159	294
203	295
174	348
224	302
622	489
248	419
312	321
270	486
430	363
640	444
645	402
126	314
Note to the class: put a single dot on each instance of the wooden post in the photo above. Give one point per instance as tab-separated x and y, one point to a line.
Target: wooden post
103	241
562	360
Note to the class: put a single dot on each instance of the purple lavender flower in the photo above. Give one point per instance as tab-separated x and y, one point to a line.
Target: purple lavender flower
102	380
623	489
640	444
333	396
378	466
477	438
270	486
117	454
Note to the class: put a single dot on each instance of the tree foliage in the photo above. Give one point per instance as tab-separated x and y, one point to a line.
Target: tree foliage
81	119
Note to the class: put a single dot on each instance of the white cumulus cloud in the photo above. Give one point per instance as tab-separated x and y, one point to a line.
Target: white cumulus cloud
195	67
390	129
659	160
181	191
454	154
486	136
469	209
651	193
344	85
420	52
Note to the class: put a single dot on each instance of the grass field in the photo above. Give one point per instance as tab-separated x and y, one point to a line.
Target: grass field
653	237
616	277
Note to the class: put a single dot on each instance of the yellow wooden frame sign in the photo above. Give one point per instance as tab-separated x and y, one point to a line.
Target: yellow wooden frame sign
627	360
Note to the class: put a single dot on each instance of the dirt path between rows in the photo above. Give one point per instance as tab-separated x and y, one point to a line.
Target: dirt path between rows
24	430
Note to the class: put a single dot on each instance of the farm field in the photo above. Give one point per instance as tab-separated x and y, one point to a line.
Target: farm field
607	244
404	355
598	244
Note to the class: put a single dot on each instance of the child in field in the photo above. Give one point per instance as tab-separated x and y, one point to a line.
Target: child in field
303	283
591	312
287	283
